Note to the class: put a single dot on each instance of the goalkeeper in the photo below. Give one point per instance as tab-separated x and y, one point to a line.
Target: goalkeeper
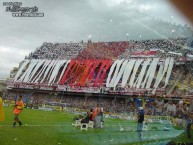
17	110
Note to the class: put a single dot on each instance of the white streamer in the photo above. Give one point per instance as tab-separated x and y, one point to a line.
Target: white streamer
127	72
37	78
35	69
142	73
137	64
30	70
152	69
63	70
116	72
120	73
163	73
56	69
47	71
51	70
110	73
169	71
26	62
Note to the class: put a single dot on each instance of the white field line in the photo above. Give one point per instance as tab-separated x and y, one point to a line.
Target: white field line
71	125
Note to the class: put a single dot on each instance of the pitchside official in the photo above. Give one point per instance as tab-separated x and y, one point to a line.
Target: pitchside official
17	110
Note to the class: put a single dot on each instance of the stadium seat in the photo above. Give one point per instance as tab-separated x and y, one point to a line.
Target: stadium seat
84	126
90	124
77	123
167	127
149	120
145	127
101	124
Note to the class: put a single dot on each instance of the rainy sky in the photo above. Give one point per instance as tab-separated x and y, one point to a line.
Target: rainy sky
75	20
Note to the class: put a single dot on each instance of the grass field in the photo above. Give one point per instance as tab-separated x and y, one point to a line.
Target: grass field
55	128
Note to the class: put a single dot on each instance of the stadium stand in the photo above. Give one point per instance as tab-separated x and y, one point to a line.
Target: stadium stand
114	74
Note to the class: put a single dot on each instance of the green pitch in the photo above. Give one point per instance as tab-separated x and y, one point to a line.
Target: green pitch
55	128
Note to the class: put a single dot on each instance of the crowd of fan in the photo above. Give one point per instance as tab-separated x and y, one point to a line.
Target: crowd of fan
110	50
153	106
57	51
159	106
163	44
103	50
174	39
164	47
181	80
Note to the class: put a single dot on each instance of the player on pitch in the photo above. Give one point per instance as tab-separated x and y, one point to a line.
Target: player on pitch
17	110
2	116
